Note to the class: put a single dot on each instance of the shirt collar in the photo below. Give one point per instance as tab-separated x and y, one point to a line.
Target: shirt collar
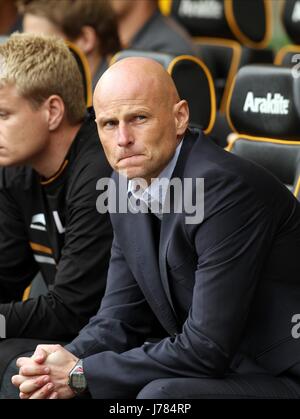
154	196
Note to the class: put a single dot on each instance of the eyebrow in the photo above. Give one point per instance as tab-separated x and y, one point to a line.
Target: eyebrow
104	119
127	115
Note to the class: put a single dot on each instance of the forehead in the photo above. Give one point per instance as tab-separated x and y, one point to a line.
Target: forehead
11	98
127	85
115	99
8	92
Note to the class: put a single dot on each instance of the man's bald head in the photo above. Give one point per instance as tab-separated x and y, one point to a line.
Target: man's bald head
137	75
140	117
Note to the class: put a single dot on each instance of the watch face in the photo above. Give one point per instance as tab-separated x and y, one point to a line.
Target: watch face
78	381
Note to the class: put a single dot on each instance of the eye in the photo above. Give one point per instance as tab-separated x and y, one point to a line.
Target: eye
109	124
140	118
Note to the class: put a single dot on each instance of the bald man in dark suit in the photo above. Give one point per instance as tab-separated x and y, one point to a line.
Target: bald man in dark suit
218	289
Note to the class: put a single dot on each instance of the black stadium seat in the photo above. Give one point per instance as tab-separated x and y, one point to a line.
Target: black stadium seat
224	57
289	55
193	81
264	113
228	35
84	70
247	21
291	19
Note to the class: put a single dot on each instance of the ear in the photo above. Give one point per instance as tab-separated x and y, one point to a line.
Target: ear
182	114
87	40
55	112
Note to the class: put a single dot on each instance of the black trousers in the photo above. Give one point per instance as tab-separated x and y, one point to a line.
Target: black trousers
7	389
254	386
235	386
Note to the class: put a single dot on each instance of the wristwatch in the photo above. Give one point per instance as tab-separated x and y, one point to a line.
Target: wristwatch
77	381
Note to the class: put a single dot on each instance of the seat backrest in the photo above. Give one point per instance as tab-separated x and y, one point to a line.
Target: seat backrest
193	81
227	34
279	157
84	70
247	21
264	113
224	57
289	55
291	19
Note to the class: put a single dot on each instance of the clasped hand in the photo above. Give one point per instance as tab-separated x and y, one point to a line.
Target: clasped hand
45	374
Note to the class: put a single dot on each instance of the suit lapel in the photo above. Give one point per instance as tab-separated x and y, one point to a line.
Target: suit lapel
165	237
170	218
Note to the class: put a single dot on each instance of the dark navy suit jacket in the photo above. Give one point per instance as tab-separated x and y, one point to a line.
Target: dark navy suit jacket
222	295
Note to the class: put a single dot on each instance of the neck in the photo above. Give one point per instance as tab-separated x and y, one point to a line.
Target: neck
49	160
130	24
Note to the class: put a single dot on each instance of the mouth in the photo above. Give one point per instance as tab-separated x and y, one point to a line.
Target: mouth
130	157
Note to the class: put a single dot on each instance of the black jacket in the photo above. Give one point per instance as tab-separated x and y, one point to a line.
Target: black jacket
54	227
224	290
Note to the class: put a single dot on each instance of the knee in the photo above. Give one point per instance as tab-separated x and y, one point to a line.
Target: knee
154	390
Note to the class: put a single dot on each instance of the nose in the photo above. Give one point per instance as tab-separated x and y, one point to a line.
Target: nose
125	136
